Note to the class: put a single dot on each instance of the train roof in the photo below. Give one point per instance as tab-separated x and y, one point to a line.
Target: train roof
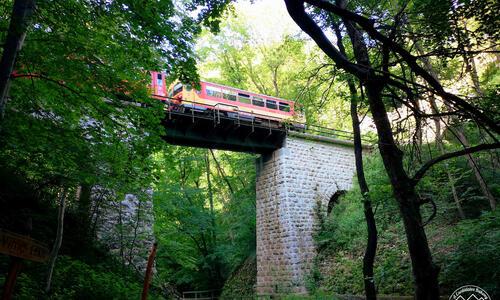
248	92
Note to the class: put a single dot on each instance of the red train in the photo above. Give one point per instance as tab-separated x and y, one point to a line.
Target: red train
231	102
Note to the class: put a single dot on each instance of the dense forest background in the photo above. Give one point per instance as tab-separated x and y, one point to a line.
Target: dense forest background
71	144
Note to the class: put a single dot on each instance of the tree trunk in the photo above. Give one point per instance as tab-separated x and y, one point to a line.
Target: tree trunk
58	241
371	226
20	18
439	142
424	270
471	67
210	198
149	272
371	245
475	168
451	180
222	173
217	267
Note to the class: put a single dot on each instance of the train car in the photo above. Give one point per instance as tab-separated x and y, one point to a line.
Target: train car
229	101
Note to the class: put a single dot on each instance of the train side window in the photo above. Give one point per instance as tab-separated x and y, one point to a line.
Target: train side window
229	95
213	92
244	98
271	104
257	101
284	106
159	80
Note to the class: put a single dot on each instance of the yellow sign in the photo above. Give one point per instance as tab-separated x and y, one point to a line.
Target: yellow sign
22	246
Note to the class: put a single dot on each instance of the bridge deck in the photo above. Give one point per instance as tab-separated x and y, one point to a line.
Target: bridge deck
215	130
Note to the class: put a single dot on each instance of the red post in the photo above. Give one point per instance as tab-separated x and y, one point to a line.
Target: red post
10	281
149	271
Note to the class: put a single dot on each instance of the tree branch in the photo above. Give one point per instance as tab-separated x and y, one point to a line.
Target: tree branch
368	26
296	10
421	172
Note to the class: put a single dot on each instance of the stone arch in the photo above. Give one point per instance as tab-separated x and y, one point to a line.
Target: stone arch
334	199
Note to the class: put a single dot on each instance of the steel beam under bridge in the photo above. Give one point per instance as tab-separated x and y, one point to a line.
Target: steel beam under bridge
215	131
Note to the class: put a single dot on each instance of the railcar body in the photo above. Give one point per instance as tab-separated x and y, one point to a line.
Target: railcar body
232	102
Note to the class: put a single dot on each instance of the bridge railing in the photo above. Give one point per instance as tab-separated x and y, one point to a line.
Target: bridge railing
194	110
200	295
328	132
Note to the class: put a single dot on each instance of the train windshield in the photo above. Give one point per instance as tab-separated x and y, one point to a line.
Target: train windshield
159	80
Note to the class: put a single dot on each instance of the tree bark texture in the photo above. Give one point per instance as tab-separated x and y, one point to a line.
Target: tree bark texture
20	18
425	271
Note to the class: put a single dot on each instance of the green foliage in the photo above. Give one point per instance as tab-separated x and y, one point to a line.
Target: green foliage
474	257
467	252
80	114
74	279
69	122
83	64
199	247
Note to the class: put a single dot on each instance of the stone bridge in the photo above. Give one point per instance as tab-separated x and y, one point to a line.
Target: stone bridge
296	172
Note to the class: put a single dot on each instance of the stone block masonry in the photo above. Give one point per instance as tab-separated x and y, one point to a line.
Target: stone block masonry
124	226
290	183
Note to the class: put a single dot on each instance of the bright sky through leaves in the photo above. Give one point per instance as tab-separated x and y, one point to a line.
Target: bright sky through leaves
268	20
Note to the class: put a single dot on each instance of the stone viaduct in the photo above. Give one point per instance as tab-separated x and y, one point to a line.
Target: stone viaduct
296	172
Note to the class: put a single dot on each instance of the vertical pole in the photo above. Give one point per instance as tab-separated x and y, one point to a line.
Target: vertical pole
15	264
10	281
149	271
214	116
238	112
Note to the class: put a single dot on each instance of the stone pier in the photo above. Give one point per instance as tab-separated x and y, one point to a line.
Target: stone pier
291	182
